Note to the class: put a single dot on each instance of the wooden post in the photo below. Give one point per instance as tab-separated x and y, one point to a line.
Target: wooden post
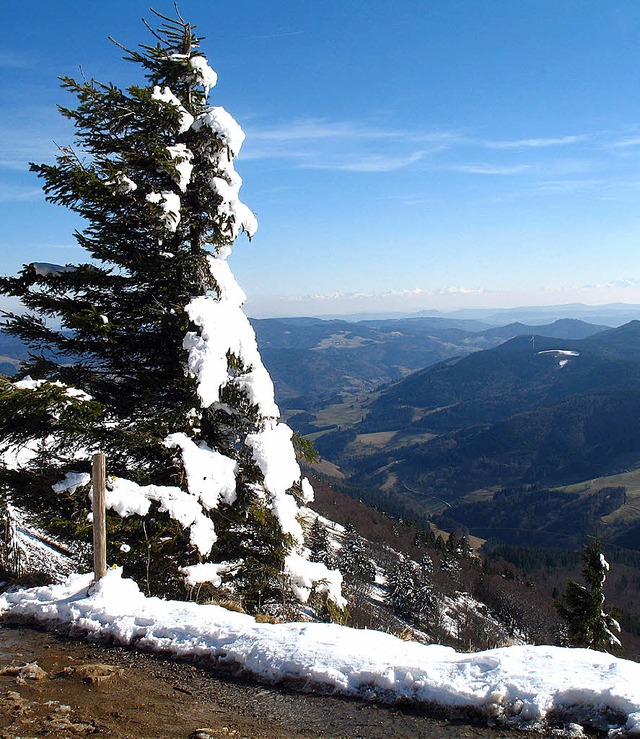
99	516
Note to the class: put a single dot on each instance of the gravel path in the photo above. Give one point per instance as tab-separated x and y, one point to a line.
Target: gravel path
83	689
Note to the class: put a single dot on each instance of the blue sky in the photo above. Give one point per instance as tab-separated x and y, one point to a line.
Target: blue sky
398	156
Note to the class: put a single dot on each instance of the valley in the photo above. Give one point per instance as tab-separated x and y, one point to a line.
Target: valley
547	424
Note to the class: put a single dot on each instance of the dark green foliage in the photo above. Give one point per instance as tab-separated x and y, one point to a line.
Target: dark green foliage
531	516
582	608
319	544
410	591
10	565
353	560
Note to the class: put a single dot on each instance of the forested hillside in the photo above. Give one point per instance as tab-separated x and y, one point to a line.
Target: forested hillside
531	414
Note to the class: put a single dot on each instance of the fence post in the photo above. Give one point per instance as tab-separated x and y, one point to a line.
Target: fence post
99	516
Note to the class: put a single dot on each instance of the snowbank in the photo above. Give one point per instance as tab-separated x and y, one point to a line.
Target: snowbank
519	684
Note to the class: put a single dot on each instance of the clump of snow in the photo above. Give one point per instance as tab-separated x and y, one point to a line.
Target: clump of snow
211	476
235	214
225	328
273	453
306	575
204	75
72	481
122	183
72	392
520	685
561	352
231	212
183	160
43	269
224	126
307	491
126	498
170	204
166	96
210	572
20	456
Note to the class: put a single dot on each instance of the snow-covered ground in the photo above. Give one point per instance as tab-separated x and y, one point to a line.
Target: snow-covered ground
520	684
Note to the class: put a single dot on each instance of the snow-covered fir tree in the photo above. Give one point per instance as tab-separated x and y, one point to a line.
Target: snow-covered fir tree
10	564
354	560
144	352
410	590
582	607
319	545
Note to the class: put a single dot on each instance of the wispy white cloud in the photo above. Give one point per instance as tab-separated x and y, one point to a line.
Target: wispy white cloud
283	34
30	135
490	169
625	143
337	295
320	129
625	282
460	291
408	293
13	60
10	194
344	145
566	186
369	163
536	143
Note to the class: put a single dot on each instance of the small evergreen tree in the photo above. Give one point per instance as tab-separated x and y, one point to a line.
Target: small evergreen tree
582	606
409	590
10	564
353	560
400	588
144	352
319	544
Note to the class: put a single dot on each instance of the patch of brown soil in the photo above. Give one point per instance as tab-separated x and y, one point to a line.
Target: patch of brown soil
58	687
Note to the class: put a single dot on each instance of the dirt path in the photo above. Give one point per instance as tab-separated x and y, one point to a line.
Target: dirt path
83	689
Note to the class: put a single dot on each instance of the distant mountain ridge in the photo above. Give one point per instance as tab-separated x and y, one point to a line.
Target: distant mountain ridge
610	314
316	362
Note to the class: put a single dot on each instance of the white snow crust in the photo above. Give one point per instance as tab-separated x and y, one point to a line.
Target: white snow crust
519	684
72	392
224	126
72	481
203	73
224	327
273	453
306	575
126	498
211	477
205	572
183	160
166	96
170	204
38	551
236	216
